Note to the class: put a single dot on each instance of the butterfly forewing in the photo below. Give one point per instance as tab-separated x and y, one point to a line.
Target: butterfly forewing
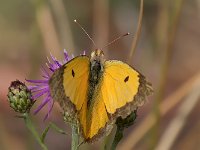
75	80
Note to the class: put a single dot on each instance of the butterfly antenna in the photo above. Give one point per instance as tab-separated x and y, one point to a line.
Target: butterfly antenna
113	41
85	32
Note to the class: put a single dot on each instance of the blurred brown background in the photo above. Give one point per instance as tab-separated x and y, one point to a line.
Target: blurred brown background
168	54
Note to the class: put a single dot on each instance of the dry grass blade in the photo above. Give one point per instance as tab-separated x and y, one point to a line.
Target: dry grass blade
64	25
164	107
167	44
179	120
138	31
47	28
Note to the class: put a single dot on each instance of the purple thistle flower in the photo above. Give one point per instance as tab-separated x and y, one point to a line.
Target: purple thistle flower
41	87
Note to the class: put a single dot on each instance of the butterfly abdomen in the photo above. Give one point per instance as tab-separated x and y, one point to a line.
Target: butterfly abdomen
95	75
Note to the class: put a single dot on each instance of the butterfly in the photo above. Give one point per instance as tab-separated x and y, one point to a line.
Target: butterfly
95	92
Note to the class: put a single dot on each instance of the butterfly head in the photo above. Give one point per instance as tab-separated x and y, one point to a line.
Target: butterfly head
97	56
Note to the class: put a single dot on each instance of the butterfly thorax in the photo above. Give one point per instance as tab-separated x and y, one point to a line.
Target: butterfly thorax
97	56
96	71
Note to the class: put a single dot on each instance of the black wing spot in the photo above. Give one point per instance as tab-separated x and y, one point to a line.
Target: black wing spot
73	74
126	79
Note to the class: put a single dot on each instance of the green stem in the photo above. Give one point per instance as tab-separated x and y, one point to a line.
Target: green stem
118	137
53	126
121	125
31	128
75	137
108	140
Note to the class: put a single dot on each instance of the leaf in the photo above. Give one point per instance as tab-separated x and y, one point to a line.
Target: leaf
121	125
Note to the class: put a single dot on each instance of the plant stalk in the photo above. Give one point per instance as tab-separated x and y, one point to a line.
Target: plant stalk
31	128
75	137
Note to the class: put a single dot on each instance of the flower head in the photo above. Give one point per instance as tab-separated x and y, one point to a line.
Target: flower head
41	87
19	97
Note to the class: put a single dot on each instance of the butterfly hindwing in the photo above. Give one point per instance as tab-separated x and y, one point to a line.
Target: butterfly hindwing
97	117
121	86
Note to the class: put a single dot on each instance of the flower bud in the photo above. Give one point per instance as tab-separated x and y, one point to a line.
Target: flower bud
19	97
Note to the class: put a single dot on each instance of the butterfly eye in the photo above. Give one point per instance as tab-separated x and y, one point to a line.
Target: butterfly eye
73	74
126	79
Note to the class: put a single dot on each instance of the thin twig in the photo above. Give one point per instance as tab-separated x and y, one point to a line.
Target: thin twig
138	31
162	38
53	126
171	30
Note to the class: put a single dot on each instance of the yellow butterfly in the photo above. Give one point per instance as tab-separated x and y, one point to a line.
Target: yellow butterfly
96	92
